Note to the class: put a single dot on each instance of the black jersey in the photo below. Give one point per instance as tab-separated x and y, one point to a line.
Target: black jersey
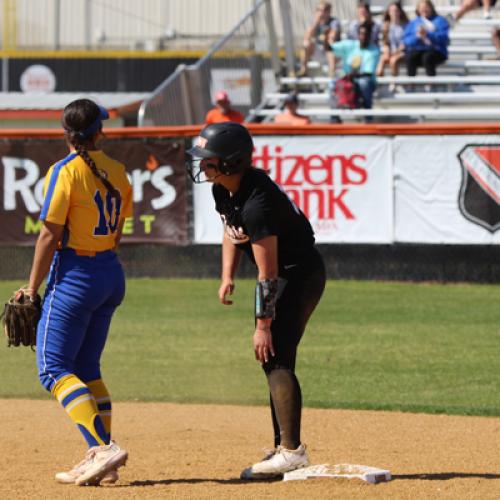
261	208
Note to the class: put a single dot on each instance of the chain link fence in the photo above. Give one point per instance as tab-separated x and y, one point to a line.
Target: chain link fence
441	263
244	63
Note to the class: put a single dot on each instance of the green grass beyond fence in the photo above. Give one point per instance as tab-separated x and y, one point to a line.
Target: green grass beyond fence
392	346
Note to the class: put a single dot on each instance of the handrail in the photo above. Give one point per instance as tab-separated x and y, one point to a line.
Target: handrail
437	80
180	69
315	97
478	113
224	39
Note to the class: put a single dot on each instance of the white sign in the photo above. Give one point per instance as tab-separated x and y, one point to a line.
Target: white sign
342	184
38	78
238	82
447	189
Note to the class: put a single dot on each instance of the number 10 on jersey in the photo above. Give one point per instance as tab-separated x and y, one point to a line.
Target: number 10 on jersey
109	216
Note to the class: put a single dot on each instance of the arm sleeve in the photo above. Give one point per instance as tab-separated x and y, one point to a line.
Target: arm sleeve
440	36
208	118
409	37
341	49
337	27
57	196
372	61
127	203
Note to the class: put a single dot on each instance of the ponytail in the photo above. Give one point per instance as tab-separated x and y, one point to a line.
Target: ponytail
84	154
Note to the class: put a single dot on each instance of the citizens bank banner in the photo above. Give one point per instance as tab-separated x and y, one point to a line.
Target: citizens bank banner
447	189
155	168
343	185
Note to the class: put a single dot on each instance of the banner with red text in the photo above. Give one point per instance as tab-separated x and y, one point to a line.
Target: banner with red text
155	167
343	184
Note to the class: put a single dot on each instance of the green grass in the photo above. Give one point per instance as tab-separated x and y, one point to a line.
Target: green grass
393	346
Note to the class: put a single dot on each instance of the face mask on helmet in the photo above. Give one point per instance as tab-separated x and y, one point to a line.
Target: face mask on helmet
199	175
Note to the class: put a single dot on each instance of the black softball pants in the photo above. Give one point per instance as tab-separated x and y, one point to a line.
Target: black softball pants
303	289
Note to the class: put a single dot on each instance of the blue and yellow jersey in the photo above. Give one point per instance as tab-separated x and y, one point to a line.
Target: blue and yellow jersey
77	199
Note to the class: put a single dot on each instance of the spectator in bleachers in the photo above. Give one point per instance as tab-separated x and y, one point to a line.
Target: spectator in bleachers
360	58
426	39
468	5
324	31
364	15
395	21
222	111
289	116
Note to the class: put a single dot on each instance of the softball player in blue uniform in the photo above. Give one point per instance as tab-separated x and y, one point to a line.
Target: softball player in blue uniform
87	198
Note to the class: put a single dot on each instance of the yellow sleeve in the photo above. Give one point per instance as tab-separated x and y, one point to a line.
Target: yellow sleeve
127	210
57	194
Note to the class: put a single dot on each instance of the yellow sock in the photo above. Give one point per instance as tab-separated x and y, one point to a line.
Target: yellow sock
103	400
80	405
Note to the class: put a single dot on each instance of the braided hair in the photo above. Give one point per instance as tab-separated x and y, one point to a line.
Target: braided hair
81	120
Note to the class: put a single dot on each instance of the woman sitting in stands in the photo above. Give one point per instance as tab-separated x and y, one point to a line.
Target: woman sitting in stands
395	21
426	40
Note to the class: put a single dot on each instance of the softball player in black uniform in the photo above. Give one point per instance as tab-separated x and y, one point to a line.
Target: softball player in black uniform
261	221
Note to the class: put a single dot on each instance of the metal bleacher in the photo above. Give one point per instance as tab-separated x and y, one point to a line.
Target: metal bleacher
467	87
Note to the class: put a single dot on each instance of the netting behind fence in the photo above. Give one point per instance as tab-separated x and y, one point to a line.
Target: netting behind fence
241	63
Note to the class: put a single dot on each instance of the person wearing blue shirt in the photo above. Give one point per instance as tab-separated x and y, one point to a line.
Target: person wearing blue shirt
360	59
426	40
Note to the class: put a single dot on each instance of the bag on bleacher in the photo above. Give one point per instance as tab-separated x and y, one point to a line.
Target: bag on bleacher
346	93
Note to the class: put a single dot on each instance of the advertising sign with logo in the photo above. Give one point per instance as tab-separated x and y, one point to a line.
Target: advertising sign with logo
343	185
447	189
38	78
155	168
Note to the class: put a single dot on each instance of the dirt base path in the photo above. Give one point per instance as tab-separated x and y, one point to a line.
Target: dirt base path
197	451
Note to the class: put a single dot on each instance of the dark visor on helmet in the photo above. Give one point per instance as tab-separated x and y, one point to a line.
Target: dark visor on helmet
197	152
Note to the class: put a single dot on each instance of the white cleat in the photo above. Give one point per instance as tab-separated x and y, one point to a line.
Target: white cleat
280	462
72	475
104	460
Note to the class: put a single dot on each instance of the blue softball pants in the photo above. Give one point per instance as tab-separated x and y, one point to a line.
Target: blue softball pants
81	296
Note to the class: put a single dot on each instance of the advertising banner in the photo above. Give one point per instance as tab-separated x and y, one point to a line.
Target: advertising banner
343	184
447	189
155	168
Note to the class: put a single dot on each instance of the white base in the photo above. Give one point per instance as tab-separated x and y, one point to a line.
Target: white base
371	475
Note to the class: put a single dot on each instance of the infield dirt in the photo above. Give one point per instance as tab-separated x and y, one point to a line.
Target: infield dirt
197	451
